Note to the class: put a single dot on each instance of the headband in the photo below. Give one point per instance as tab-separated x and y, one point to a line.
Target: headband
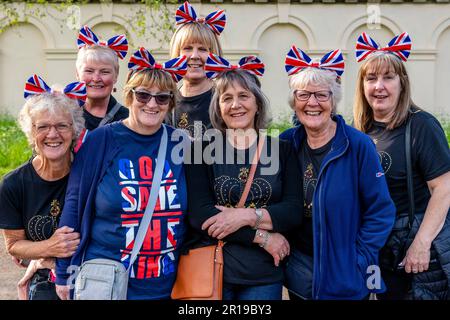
216	65
215	20
399	46
297	60
119	43
36	86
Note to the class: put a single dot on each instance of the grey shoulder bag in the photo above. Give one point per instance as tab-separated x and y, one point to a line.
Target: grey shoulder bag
106	279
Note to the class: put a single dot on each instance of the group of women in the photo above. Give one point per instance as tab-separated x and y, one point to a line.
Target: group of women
334	207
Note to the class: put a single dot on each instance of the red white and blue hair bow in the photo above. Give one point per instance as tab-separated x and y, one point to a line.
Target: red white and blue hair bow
215	65
117	43
142	59
215	20
400	46
75	90
297	60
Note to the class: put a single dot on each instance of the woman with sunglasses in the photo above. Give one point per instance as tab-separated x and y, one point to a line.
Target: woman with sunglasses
32	196
111	181
195	38
348	212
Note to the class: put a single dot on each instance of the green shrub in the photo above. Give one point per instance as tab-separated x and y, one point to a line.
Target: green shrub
14	148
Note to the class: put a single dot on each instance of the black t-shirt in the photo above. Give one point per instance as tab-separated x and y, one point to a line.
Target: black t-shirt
310	162
190	110
31	203
92	122
430	157
280	193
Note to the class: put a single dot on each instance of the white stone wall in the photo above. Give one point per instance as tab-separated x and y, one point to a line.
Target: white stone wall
42	46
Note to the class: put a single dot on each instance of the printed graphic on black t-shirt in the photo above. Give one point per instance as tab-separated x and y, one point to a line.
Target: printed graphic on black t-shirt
28	202
192	114
310	162
430	157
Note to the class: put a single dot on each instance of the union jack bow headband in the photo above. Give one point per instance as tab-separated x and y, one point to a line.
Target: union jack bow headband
75	90
297	60
142	59
399	46
215	20
117	43
215	65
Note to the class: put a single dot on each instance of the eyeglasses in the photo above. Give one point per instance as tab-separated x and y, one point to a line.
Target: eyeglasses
45	128
145	97
321	96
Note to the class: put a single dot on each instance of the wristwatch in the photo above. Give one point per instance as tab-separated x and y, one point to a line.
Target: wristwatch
264	235
259	216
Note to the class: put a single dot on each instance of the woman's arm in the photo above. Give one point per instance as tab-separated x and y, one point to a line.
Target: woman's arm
202	204
418	255
377	208
63	243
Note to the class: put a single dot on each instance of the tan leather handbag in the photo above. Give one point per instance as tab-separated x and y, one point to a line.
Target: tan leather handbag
200	272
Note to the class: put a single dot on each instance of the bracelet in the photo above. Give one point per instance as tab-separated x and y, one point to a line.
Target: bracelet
265	235
259	215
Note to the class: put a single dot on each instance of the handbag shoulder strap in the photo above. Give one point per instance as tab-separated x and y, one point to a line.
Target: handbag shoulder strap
409	175
251	175
110	114
154	191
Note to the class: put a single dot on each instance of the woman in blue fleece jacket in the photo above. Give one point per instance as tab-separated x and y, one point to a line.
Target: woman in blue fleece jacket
348	212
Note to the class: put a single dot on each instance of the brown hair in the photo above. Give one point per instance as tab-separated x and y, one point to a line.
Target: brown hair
149	78
362	112
248	82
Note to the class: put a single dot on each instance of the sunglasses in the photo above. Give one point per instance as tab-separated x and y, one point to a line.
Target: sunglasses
145	97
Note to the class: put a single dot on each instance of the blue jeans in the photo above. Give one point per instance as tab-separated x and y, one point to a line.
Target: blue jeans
299	275
271	291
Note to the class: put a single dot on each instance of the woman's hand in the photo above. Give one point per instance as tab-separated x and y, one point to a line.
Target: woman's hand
278	247
417	257
63	243
227	221
63	292
24	284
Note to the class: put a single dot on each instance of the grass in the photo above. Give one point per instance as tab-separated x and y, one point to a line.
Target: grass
14	148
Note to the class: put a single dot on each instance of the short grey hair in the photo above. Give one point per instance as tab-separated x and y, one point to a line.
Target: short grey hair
249	82
97	53
318	77
53	103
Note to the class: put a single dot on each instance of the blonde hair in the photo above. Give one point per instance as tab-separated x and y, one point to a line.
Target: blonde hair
149	78
96	53
53	103
317	77
248	82
194	33
377	63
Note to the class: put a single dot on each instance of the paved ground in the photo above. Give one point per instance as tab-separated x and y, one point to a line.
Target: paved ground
9	274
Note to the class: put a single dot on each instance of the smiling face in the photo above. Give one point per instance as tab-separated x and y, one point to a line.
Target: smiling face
197	54
100	78
382	91
53	134
238	107
313	114
146	118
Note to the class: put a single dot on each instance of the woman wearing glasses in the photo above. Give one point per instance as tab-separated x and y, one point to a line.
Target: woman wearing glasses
348	213
32	196
111	181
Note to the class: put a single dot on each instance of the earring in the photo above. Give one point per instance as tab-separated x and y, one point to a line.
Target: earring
114	89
